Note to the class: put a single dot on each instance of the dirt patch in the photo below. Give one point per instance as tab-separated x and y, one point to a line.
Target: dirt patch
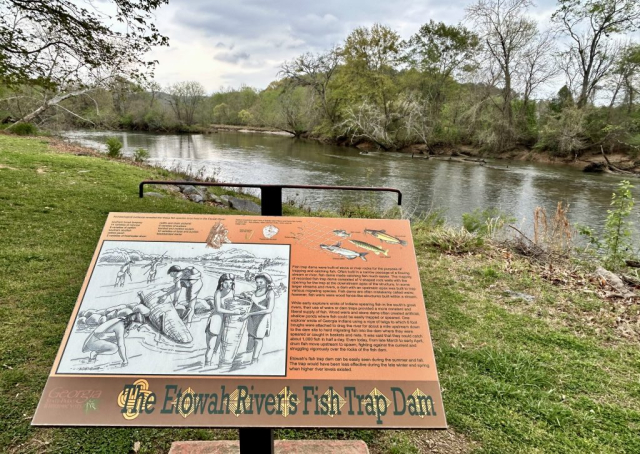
2	166
426	441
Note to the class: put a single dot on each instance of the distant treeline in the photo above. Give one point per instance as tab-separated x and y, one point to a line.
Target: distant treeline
480	84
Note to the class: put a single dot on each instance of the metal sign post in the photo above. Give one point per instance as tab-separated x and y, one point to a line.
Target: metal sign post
260	440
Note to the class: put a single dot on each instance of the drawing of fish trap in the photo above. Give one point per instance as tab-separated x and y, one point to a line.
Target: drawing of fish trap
232	331
165	318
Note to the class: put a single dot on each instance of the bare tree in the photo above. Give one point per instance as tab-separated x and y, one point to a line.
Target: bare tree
185	97
591	54
537	66
316	71
404	121
506	33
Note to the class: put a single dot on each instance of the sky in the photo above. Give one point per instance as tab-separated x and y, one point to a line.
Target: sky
235	42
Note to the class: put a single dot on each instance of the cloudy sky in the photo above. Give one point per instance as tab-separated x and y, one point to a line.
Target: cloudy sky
234	42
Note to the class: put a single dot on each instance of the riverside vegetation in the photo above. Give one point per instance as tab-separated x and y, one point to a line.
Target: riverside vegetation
535	352
483	83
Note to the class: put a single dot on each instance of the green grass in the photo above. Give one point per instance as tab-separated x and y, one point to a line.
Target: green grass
516	376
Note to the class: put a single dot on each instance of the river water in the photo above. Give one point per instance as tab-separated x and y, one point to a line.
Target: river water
516	188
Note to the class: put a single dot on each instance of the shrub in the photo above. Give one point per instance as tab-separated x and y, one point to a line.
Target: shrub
430	220
615	243
140	155
126	121
564	135
114	147
454	240
24	129
553	235
485	222
617	229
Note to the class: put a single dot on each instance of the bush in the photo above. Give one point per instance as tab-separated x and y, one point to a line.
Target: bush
564	135
485	222
454	240
24	129
615	245
114	147
617	229
140	155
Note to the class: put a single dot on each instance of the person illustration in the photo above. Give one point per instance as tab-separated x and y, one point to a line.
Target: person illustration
222	299
122	274
259	315
153	268
189	278
108	338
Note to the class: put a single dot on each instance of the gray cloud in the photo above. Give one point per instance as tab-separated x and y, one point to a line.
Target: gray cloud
258	35
229	57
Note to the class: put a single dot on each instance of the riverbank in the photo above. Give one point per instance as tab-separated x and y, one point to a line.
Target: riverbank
531	357
590	161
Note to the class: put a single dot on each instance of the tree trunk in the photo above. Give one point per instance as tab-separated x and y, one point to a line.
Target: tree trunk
48	103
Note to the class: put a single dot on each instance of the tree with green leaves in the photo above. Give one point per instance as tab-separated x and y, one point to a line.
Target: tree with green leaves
591	26
77	36
628	68
317	72
64	49
370	59
438	51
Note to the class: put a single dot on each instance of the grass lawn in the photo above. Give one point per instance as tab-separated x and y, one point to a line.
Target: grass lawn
558	374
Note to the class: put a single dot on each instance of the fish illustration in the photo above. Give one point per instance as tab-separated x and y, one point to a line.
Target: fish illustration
346	253
342	233
384	236
370	247
164	317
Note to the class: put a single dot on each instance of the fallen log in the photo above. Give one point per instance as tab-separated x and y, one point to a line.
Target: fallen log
615	169
614	281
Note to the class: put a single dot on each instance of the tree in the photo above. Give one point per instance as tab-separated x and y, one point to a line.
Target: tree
74	33
439	50
371	56
316	71
184	98
590	25
63	50
506	33
403	122
288	108
537	66
628	69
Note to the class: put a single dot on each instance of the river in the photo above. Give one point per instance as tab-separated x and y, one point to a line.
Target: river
456	188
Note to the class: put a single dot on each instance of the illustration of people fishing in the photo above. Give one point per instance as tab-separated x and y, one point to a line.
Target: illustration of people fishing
108	338
190	279
259	316
187	312
122	274
217	328
153	268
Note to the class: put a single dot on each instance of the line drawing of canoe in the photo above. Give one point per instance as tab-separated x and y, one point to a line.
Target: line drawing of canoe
164	317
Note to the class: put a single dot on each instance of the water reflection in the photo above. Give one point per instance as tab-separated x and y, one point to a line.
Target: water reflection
456	187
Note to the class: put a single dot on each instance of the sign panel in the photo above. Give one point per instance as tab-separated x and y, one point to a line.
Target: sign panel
241	321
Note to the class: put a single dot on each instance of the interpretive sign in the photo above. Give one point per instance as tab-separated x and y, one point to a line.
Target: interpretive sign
240	321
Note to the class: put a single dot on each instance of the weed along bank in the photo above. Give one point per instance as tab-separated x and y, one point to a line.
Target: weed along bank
246	321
